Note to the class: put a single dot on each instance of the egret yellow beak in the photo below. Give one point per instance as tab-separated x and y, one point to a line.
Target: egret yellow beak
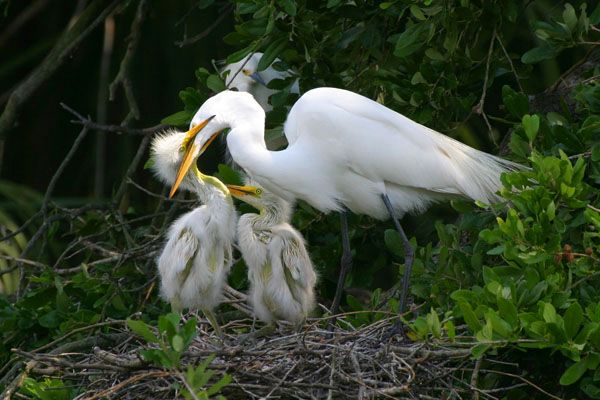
192	151
241	191
256	76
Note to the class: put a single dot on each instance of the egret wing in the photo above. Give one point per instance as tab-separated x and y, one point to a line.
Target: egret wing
296	260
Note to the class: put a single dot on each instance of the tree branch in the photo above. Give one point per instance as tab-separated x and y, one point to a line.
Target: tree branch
123	76
112	128
89	19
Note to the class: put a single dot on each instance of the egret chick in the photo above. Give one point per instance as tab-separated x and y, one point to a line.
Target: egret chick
281	274
244	76
197	257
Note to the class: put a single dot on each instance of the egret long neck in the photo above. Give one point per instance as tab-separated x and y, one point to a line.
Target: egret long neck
211	180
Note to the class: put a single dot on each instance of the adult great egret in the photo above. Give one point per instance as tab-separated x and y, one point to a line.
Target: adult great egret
244	76
281	274
197	257
349	151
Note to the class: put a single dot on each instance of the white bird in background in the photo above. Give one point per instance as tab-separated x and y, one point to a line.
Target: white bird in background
244	76
197	257
349	151
281	274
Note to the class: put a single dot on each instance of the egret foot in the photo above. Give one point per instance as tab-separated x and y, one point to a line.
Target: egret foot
210	316
345	263
409	256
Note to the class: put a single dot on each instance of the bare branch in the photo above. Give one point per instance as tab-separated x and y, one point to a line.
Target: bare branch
224	12
87	122
123	76
87	22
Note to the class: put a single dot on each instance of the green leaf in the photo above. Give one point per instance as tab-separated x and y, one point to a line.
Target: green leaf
142	329
220	384
596	152
178	344
271	52
538	54
149	163
239	55
570	17
229	175
50	319
417	13
215	83
394	242
573	318
410	40
531	123
179	118
469	316
288	6
450	330
574	372
480	350
516	102
433	323
508	311
549	313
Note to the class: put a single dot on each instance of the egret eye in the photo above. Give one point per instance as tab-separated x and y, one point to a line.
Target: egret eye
258	191
182	149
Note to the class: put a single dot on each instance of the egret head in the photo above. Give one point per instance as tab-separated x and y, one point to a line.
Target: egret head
245	193
166	152
266	202
226	109
244	74
191	150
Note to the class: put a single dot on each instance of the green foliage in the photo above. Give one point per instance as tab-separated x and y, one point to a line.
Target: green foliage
47	389
172	341
568	30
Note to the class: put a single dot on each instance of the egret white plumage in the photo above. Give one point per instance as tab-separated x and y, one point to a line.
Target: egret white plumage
349	151
197	257
281	274
245	77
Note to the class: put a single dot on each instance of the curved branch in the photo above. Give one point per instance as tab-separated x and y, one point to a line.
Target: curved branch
89	19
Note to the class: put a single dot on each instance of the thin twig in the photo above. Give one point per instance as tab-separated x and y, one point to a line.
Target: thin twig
512	67
491	371
70	40
223	12
123	77
568	72
61	168
113	128
479	109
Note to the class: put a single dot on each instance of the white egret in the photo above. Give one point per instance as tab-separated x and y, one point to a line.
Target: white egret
197	257
244	76
281	274
349	151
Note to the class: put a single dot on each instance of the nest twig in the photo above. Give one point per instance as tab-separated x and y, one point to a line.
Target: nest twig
312	363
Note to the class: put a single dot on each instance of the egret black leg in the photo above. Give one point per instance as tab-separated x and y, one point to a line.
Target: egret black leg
409	256
345	263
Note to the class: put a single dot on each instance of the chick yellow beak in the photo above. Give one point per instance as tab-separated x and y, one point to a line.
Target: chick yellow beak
240	191
192	151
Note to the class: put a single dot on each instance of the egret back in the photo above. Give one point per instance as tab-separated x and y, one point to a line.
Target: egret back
359	149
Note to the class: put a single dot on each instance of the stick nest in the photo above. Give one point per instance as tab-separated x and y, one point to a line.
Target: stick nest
313	362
